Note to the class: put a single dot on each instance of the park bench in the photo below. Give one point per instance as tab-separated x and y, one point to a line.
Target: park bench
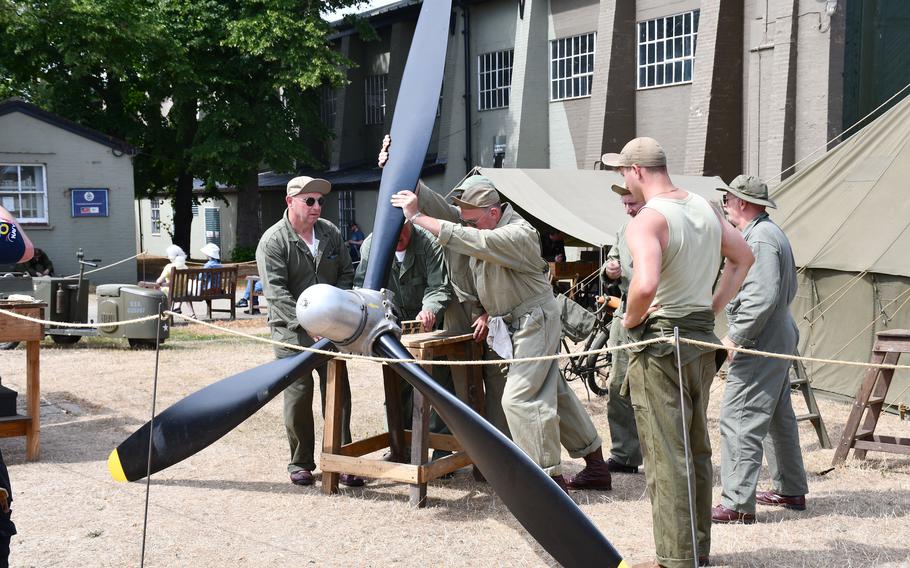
205	285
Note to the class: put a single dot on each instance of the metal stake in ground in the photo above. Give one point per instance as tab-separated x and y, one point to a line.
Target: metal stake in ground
148	471
687	448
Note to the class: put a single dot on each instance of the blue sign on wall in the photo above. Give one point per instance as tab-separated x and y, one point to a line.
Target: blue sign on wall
89	202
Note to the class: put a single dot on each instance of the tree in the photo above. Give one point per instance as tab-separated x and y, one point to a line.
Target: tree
205	89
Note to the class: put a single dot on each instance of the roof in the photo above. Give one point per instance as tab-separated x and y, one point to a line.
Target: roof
352	178
849	210
18	105
580	203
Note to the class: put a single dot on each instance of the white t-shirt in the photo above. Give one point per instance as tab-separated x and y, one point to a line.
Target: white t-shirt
314	248
399	254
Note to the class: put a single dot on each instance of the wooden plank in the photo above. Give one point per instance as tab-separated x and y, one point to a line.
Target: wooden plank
331	438
33	400
866	445
365	446
420	438
14	426
859	407
442	466
435	339
391	383
401	472
14	329
439	441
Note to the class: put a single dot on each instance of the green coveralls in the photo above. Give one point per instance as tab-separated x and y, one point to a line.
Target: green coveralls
420	282
511	282
623	432
466	308
756	410
287	269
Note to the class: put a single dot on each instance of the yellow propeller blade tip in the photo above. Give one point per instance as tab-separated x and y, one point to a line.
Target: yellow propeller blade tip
622	564
113	465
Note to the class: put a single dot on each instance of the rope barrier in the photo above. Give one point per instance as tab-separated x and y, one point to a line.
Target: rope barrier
143	253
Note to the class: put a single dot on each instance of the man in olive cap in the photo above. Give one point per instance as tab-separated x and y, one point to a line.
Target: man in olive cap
756	409
625	450
298	251
510	278
677	242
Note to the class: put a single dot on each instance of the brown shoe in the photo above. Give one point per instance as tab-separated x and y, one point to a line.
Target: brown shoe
616	467
302	477
561	482
593	476
723	515
350	480
795	502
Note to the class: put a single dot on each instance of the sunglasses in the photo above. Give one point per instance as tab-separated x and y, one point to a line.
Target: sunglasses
468	223
310	201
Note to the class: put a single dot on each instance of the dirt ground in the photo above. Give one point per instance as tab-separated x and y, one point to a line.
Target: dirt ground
232	504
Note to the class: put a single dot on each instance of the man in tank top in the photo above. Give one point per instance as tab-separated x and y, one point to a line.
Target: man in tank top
677	243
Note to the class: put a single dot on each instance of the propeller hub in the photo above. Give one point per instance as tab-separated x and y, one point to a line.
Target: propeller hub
351	319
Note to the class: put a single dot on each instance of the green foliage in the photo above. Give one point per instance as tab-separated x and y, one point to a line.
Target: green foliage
243	254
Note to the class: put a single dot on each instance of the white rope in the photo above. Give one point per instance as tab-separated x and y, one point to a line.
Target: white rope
143	253
81	325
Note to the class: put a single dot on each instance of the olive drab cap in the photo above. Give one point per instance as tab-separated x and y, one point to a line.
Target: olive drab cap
641	151
472	181
306	184
620	189
478	196
751	189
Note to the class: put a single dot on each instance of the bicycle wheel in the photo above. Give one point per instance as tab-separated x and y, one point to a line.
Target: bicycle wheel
597	366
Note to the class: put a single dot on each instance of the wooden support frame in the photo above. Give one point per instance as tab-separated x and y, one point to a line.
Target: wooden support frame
13	329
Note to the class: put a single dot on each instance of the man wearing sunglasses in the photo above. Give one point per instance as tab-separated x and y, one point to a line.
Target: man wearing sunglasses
296	252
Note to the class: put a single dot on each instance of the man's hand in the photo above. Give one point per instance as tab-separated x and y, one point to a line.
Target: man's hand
480	327
612	270
427	320
384	152
629	324
407	202
728	343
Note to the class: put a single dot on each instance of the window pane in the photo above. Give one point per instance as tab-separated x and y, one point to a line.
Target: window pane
687	73
677	45
677	71
651	53
687	46
651	30
642	32
660	29
9	177
688	26
641	76
642	54
650	75
660	51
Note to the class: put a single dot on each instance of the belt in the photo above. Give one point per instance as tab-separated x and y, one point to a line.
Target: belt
526	306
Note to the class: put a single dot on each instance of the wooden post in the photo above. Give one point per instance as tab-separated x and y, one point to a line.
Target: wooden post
33	428
392	386
420	444
336	378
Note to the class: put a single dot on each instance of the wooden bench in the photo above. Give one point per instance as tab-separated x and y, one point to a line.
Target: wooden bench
205	285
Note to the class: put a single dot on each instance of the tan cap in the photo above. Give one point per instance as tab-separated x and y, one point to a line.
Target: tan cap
472	181
751	189
620	189
478	196
306	184
642	151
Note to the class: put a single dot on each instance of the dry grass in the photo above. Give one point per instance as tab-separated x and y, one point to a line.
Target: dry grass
232	505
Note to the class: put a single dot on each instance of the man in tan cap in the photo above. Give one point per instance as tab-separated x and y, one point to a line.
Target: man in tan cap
293	254
756	409
510	279
625	449
677	242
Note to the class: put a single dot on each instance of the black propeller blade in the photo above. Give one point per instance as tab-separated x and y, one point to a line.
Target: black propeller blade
203	417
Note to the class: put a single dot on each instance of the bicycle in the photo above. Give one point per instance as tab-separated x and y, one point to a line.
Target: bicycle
593	368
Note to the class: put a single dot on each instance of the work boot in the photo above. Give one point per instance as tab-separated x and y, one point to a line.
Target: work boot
561	482
595	475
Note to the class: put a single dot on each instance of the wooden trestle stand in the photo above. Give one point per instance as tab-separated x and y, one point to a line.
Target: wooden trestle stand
871	398
348	458
14	329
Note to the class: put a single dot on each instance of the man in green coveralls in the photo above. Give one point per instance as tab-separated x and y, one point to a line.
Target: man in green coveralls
625	451
298	251
677	242
756	410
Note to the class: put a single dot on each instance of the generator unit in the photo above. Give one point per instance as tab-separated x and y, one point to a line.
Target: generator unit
120	302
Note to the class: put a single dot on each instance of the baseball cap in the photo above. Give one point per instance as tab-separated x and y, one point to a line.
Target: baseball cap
473	180
620	189
751	189
478	196
306	184
641	151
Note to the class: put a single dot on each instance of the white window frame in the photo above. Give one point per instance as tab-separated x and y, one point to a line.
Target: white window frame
494	79
375	88
665	53
16	194
155	216
572	61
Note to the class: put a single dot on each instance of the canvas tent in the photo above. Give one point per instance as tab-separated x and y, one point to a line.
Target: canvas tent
579	202
848	219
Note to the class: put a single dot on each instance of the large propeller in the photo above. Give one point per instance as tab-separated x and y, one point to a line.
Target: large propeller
200	419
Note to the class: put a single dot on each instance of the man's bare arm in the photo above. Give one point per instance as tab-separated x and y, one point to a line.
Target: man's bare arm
738	257
643	237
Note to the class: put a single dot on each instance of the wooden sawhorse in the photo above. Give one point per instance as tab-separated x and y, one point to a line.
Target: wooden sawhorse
14	329
869	401
814	416
337	458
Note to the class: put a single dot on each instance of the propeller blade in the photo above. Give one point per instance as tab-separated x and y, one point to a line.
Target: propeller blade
203	417
412	125
545	511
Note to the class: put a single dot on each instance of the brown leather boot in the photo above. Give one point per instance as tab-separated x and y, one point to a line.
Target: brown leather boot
561	482
595	475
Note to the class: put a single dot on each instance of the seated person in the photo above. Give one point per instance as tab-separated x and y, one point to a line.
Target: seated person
177	260
212	253
39	265
244	302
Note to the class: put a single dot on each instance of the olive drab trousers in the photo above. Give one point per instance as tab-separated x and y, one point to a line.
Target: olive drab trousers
625	447
654	383
541	409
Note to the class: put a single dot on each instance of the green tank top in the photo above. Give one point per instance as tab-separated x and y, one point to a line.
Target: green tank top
692	258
